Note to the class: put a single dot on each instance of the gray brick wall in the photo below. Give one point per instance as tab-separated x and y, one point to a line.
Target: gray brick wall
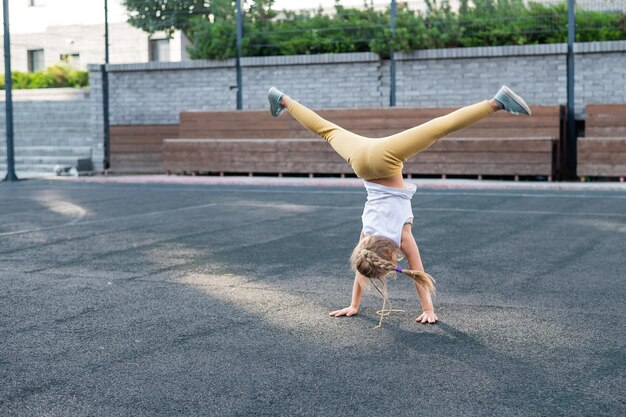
47	133
600	76
46	123
156	93
96	117
326	81
459	81
455	77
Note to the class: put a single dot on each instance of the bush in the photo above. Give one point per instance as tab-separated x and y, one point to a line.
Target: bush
479	23
52	77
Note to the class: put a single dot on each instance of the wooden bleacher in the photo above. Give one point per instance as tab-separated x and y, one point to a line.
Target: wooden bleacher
602	152
139	149
252	142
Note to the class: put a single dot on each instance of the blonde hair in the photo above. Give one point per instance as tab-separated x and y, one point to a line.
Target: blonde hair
373	258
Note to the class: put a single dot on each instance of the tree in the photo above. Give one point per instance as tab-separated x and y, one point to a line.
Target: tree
169	15
215	38
211	26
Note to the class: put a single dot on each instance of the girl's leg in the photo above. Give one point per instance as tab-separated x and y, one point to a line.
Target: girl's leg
343	142
406	144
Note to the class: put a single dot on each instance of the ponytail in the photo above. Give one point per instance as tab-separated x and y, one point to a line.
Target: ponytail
372	258
377	268
421	278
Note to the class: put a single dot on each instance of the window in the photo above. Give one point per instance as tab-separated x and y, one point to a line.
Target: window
73	60
36	3
159	50
35	60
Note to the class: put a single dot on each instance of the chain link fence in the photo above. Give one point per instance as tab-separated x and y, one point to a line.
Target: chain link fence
50	94
51	133
57	118
384	27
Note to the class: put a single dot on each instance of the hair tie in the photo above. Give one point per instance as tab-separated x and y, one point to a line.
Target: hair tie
398	269
364	251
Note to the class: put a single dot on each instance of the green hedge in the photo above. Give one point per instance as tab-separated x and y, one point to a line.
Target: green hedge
480	23
52	77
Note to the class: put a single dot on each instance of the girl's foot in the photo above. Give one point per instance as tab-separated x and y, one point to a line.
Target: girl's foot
275	96
511	102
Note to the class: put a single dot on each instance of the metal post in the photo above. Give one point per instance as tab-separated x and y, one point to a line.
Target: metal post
105	91
105	116
238	60
106	31
8	85
392	72
570	153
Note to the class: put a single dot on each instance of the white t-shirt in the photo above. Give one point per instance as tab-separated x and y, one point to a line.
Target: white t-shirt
387	210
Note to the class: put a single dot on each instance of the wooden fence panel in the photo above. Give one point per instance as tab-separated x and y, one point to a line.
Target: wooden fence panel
602	157
602	153
366	122
139	149
448	156
253	141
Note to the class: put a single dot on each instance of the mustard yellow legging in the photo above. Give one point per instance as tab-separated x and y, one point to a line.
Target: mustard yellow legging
381	158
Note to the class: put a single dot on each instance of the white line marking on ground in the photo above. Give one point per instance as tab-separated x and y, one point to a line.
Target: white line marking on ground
113	219
436	209
538	212
290	207
348	182
351	190
63	208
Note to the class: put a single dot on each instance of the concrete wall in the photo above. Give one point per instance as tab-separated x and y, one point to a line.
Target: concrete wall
155	93
49	94
50	123
96	118
47	133
158	92
456	76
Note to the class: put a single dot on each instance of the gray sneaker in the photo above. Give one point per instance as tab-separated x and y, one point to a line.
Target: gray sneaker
512	102
274	96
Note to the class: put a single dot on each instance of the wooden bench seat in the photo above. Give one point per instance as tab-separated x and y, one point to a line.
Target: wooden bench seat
486	156
253	142
602	152
366	122
449	156
602	157
284	156
139	149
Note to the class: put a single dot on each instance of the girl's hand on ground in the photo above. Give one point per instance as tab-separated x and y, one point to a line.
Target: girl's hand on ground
348	311
426	317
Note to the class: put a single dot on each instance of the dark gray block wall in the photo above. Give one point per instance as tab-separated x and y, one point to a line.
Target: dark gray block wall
48	132
156	93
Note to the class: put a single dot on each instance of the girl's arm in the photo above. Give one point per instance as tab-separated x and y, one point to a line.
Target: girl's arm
353	309
357	292
412	253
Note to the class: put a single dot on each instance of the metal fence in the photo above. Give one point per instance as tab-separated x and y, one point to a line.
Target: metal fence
426	24
51	135
54	130
51	118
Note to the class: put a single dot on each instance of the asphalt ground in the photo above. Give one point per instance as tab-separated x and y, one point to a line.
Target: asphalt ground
212	300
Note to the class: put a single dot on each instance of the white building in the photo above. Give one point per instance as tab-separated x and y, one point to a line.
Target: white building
46	32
